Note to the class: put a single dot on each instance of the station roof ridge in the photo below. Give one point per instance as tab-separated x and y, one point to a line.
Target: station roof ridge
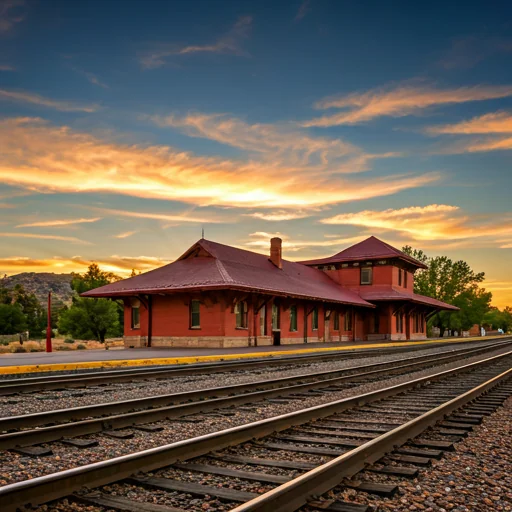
371	248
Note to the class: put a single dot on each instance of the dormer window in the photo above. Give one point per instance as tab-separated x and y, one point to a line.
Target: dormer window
366	275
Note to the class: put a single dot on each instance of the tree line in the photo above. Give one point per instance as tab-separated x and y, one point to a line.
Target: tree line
456	283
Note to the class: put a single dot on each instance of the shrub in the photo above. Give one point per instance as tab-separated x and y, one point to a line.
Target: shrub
18	349
34	349
69	340
63	347
4	343
81	346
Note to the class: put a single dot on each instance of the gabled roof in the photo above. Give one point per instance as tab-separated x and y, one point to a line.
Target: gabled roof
388	293
209	265
370	249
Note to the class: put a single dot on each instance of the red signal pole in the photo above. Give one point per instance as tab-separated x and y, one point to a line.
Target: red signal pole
49	325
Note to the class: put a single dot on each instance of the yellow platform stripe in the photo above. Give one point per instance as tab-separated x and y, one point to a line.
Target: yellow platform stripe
217	357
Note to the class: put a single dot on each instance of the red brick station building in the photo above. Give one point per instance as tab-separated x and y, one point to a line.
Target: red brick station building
215	295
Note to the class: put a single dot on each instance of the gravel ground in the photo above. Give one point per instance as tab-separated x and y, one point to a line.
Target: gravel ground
15	467
477	477
54	399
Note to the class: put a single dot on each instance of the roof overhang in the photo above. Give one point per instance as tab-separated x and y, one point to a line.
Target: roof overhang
169	291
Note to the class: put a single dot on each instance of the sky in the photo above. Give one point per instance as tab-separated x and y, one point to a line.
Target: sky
127	128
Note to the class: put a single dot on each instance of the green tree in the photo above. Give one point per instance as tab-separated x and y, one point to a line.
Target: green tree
31	308
496	319
453	282
92	317
12	319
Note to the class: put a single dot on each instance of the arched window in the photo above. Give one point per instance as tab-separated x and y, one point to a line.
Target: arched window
241	314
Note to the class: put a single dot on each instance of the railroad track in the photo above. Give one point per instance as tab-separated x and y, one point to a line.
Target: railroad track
80	380
284	463
43	427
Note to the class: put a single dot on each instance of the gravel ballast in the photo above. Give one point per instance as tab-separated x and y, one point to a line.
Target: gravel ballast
15	467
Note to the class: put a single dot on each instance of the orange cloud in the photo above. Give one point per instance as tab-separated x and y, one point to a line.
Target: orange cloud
399	102
35	99
279	215
44	237
230	43
496	122
119	264
160	216
45	158
126	234
275	142
432	222
260	242
58	223
493	123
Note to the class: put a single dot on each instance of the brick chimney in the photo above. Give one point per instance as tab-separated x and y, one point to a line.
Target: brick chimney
275	252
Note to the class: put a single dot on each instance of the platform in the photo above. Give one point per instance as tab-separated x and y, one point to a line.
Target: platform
123	357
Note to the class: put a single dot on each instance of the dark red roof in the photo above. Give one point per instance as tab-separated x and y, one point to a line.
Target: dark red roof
370	249
225	267
388	293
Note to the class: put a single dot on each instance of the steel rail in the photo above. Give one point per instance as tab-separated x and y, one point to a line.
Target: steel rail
297	492
94	425
10	386
46	488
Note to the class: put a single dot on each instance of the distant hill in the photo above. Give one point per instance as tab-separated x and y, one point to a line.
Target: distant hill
40	283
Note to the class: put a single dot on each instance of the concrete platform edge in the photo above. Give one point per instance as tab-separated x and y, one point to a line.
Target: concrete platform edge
220	357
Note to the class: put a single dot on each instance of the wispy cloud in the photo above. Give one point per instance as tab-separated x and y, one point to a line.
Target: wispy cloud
496	122
46	158
119	264
260	241
126	234
490	124
432	222
44	237
36	99
11	13
399	102
7	67
467	52
280	215
58	223
91	77
303	10
159	216
229	43
279	142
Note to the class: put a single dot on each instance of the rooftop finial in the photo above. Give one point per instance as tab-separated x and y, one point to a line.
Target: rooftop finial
202	233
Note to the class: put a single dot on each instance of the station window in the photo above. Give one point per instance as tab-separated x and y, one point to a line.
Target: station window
348	320
135	317
314	319
195	319
405	279
336	321
399	277
276	317
293	318
241	314
366	275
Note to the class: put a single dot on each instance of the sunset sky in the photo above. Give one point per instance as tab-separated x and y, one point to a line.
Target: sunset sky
128	127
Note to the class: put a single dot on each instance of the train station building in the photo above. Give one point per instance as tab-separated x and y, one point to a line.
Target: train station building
215	295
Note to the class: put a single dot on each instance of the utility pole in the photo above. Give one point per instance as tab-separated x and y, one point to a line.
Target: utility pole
49	324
